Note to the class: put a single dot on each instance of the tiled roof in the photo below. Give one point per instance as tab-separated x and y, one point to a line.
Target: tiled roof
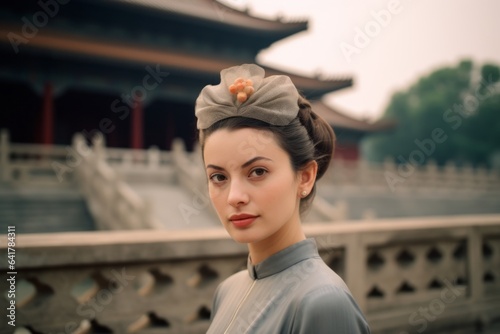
341	120
192	63
219	14
313	87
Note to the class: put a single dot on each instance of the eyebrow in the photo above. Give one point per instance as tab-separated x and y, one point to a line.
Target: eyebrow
246	164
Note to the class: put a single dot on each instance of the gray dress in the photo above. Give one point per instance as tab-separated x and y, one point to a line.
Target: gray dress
292	291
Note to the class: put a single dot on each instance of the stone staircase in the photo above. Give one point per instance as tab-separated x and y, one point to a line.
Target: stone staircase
43	210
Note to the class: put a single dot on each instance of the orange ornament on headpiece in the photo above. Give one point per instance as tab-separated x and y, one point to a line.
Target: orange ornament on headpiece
242	89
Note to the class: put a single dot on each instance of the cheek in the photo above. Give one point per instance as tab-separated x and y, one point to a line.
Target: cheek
215	194
218	197
280	191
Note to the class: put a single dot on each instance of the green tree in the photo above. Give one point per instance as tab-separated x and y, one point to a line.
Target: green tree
452	114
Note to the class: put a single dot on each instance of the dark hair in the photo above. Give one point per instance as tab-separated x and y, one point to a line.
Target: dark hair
308	137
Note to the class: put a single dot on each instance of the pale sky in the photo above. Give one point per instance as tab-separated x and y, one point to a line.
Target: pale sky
416	38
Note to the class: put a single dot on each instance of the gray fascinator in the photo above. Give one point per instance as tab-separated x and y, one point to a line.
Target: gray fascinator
245	92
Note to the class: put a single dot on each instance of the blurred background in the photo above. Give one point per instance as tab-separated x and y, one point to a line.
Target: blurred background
101	173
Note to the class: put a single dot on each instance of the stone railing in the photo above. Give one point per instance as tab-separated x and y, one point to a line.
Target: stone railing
189	168
55	164
408	275
392	177
149	165
31	163
112	202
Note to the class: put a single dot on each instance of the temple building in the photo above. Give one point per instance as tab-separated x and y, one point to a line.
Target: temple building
143	250
133	69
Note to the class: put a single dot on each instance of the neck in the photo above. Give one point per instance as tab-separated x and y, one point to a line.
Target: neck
261	250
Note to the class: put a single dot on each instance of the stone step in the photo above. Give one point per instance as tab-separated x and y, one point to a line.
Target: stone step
37	213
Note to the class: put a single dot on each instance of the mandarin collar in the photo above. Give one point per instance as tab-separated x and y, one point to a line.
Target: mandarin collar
283	259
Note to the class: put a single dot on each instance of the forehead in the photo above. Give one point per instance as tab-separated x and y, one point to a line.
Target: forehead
240	145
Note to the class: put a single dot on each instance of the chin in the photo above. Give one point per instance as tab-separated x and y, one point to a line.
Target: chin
241	238
245	236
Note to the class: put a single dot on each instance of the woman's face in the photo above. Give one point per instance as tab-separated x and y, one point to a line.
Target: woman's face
251	184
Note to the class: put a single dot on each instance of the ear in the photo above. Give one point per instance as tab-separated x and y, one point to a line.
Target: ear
307	176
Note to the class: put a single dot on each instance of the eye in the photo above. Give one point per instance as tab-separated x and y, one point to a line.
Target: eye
258	172
217	178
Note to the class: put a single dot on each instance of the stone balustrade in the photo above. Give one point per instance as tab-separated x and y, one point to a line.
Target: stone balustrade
393	177
189	168
141	166
31	163
437	275
56	164
112	202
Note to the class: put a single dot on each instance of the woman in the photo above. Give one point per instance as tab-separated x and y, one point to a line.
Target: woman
263	150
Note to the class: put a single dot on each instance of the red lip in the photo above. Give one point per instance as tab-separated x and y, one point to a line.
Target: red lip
242	220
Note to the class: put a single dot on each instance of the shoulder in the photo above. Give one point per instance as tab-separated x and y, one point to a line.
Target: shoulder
328	307
313	274
329	300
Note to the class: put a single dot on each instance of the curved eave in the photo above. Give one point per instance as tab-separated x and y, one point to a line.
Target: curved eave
313	88
340	120
217	15
52	41
79	46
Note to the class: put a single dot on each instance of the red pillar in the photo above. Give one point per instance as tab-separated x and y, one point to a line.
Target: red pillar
48	115
170	129
137	125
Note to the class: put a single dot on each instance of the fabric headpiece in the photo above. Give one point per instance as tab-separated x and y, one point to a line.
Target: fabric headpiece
244	92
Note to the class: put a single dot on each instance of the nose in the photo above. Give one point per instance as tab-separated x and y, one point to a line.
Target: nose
237	195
